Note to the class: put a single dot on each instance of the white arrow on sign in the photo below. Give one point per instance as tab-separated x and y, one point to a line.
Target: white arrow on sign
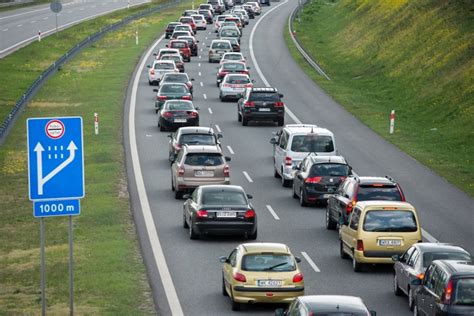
39	164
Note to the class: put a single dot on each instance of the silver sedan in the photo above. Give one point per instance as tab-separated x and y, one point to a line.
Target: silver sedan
234	85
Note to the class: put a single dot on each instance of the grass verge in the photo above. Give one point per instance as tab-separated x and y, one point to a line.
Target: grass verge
414	57
109	273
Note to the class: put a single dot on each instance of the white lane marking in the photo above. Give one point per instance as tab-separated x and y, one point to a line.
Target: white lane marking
70	11
19	25
93	6
247	176
200	56
428	236
230	150
206	37
205	98
199	64
82	9
201	49
148	135
34	21
272	211
209	110
218	128
310	261
199	73
166	279
45	18
210	33
4	30
201	84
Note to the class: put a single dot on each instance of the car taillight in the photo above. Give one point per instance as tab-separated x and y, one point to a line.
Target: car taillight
186	97
288	161
448	291
360	245
249	213
167	114
223	73
343	178
226	170
202	213
279	104
298	278
193	113
162	97
239	277
249	104
350	206
226	85
177	146
248	85
313	180
189	84
152	71
420	276
181	171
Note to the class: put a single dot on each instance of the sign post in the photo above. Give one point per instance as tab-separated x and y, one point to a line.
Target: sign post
56	6
56	180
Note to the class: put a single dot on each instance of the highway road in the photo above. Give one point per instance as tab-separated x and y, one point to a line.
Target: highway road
20	27
185	274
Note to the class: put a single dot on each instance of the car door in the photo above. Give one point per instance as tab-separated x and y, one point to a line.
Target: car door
349	232
301	175
333	200
412	269
401	268
229	267
280	151
174	167
345	199
191	206
425	294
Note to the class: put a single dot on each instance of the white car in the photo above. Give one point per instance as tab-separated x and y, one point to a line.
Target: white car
256	7
218	48
234	85
159	68
219	20
164	51
233	57
200	21
294	142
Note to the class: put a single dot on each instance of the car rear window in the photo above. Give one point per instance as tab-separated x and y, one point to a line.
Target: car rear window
204	159
429	257
268	262
312	143
178	105
178	45
233	66
229	33
176	59
221	45
170	88
186	20
177	78
164	66
330	169
390	221
197	139
264	96
238	80
223	198
464	292
378	192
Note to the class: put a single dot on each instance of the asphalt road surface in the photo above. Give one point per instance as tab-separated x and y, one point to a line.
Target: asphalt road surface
20	27
190	269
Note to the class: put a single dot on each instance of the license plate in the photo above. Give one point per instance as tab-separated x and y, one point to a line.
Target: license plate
226	214
264	109
220	52
180	120
269	283
203	173
390	242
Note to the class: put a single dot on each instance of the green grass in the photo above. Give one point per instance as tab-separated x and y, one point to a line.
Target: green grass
109	272
411	56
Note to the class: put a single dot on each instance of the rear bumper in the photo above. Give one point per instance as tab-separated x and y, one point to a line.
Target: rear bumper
171	124
385	256
263	116
191	185
266	295
225	227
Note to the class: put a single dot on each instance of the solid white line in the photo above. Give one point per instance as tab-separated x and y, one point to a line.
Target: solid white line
158	254
218	128
247	176
19	25
230	150
274	214
45	18
209	110
4	30
201	84
205	98
34	21
428	236
199	73
310	261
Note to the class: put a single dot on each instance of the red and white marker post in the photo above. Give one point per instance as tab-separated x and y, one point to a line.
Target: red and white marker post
392	122
96	123
39	36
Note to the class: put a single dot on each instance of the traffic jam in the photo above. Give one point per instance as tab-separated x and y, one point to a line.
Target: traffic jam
374	221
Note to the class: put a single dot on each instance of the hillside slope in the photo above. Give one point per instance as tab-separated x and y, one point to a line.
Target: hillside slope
412	56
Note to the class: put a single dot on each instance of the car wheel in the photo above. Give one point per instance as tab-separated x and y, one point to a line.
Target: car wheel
245	121
342	253
172	184
224	291
284	182
185	224
330	223
252	236
178	194
356	266
275	172
396	289
302	201
295	196
239	117
162	128
192	233
411	300
150	83
235	306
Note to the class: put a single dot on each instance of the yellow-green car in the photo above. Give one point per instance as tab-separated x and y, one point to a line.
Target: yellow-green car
377	230
261	273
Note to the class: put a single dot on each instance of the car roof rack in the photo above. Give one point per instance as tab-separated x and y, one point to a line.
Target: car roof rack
390	178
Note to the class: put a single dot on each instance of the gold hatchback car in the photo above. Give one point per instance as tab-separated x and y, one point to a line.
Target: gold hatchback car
261	273
377	230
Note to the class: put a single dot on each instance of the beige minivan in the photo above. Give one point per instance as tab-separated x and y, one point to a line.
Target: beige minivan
198	165
377	230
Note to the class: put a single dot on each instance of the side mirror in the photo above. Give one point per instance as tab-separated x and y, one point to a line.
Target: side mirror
297	166
154	54
249	196
197	108
186	196
208	46
192	79
279	312
395	258
220	136
223	259
148	66
248	68
166	45
373	313
227	158
298	259
240	96
197	41
273	141
281	95
253	81
172	158
155	90
170	135
415	281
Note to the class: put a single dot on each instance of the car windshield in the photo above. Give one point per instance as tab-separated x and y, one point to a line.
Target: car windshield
164	66
172	88
429	257
204	159
197	139
264	96
198	17
464	292
312	143
330	169
377	192
233	66
230	33
221	45
223	198
180	33
268	262
232	57
182	28
238	80
176	78
390	221
178	105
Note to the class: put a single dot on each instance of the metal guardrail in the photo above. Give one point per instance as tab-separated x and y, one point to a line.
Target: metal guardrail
45	75
298	45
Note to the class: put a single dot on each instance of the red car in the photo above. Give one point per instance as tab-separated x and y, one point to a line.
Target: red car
188	20
183	47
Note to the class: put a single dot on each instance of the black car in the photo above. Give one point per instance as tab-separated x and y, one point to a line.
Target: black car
223	209
207	15
192	136
447	288
265	2
170	29
317	177
261	104
355	189
177	113
325	305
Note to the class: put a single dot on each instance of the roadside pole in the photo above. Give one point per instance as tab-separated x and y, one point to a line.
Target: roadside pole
71	270
392	122
42	268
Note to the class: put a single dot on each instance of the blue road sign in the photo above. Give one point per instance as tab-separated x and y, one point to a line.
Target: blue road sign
56	208
55	158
